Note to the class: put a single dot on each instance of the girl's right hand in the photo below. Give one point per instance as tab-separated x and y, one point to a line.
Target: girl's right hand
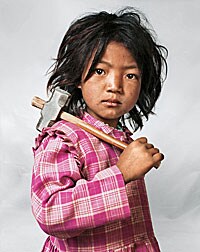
138	158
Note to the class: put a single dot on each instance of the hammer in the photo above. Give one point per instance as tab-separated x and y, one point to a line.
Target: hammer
52	110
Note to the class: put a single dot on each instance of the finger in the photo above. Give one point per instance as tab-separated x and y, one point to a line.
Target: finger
142	140
158	157
157	165
153	151
149	146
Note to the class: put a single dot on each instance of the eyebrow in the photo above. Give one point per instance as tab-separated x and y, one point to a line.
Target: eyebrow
125	67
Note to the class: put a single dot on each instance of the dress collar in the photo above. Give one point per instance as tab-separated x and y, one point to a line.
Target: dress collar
105	127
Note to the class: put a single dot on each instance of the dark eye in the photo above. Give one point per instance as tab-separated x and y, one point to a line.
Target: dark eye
99	71
131	76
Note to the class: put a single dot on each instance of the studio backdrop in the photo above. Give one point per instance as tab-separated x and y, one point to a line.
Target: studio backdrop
30	32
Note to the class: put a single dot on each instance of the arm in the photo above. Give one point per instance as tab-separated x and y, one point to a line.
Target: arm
63	202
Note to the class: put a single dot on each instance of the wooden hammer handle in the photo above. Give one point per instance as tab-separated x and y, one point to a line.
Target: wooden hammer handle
39	103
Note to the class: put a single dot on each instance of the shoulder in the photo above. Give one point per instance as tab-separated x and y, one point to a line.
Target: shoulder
65	127
68	129
62	131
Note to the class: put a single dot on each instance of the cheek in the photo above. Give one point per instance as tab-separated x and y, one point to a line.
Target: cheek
90	93
134	92
137	93
90	89
133	95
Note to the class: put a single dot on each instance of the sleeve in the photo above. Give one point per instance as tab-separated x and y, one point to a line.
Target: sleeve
63	202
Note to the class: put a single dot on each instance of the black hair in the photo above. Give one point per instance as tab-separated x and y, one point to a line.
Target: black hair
90	35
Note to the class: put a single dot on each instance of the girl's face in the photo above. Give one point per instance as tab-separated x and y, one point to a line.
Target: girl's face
113	88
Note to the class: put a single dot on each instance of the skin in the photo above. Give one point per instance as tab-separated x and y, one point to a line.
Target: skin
111	91
118	88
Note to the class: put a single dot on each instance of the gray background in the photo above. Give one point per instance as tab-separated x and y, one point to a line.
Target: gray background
30	33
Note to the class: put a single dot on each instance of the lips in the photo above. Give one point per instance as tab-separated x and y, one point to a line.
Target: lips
111	102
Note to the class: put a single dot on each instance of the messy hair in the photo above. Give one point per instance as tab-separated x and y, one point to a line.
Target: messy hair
88	37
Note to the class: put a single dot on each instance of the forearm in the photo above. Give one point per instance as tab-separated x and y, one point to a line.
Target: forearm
69	210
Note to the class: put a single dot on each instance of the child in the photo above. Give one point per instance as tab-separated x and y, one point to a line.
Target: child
88	195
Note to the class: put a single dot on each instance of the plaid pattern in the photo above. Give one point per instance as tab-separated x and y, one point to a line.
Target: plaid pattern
79	197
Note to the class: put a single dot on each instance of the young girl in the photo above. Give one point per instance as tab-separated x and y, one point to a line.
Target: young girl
88	195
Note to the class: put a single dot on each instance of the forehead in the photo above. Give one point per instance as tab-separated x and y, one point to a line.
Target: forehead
116	51
113	51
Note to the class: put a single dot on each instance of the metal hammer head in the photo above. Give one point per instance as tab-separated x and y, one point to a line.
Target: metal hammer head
52	108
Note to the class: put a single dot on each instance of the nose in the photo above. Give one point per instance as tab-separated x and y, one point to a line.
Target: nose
114	83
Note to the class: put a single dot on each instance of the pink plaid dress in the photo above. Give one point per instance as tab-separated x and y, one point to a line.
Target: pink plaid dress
79	197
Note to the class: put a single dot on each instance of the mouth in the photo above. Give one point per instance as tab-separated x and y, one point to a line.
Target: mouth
111	102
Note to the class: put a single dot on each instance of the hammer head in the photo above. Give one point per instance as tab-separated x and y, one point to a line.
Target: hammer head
52	108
